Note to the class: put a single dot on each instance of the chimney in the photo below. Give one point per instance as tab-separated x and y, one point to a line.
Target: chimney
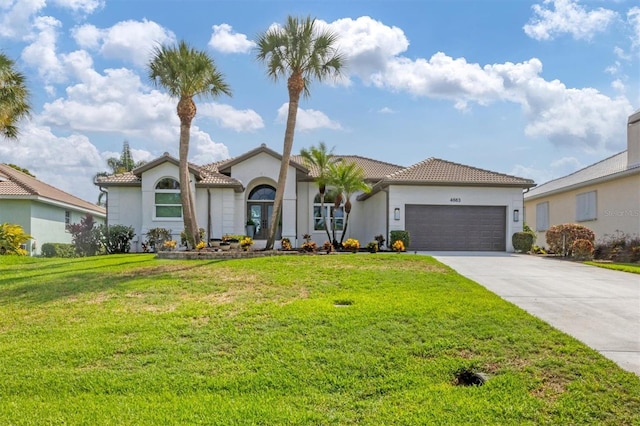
633	140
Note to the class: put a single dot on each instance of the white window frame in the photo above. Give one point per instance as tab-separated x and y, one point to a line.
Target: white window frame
328	210
542	216
587	206
166	191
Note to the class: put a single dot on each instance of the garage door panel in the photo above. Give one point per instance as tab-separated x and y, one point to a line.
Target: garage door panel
458	228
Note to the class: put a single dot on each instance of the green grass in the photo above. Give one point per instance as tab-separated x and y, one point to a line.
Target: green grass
345	339
634	268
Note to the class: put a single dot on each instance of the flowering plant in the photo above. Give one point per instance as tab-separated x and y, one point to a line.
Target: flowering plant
246	242
398	245
327	246
286	244
351	244
309	246
200	245
169	245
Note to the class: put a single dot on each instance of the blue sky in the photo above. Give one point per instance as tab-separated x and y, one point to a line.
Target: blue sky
537	89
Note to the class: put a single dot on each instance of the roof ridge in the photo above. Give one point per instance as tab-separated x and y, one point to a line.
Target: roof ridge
411	167
579	170
10	170
483	170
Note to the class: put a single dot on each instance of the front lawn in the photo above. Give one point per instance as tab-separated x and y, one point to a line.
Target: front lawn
625	267
340	339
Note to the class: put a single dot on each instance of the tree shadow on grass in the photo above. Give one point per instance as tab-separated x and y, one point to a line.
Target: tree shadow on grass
65	284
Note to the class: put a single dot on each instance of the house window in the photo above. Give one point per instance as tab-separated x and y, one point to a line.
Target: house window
329	208
167	199
586	206
67	218
542	216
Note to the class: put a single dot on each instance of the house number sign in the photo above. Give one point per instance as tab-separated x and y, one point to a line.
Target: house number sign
456	200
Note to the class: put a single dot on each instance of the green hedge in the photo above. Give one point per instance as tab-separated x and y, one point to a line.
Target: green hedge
522	241
58	250
399	235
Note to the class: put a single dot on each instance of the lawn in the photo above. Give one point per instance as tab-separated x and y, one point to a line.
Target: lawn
344	339
625	267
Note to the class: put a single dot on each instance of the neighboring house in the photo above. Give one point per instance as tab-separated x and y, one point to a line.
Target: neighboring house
605	197
40	209
444	205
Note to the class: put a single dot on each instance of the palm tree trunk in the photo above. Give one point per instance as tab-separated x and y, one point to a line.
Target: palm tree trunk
186	197
324	216
294	99
344	229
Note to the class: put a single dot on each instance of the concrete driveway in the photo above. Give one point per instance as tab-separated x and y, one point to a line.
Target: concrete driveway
597	306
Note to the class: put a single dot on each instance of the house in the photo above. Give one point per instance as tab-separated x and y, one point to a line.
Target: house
444	205
604	197
42	210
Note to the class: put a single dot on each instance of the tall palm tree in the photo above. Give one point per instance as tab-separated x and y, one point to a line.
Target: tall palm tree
186	73
347	178
300	52
14	98
321	159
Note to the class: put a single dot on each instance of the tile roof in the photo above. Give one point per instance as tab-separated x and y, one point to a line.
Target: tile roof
607	168
374	170
434	170
14	183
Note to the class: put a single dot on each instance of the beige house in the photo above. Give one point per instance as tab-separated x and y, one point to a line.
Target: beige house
42	210
605	197
444	205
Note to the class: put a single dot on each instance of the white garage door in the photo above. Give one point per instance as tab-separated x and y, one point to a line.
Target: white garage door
456	228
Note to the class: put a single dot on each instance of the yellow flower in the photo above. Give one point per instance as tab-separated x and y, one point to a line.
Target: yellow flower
200	245
398	245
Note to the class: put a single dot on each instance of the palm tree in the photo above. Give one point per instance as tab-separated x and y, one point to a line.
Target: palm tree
14	98
125	163
299	52
321	159
185	73
347	178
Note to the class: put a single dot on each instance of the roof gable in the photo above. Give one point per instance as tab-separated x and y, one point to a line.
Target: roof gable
15	183
225	166
374	170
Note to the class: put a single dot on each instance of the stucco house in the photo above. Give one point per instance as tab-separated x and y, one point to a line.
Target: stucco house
444	205
605	196
42	210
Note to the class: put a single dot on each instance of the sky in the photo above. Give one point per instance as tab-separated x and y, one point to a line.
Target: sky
536	89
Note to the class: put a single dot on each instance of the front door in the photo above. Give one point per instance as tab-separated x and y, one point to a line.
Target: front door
260	208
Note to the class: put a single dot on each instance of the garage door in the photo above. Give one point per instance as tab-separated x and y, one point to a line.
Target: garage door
458	228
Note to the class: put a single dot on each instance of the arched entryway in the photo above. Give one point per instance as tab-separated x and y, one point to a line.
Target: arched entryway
259	209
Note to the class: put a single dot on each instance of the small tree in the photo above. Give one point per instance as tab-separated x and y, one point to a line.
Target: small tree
84	236
12	237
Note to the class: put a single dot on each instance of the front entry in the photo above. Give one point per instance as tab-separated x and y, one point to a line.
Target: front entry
260	208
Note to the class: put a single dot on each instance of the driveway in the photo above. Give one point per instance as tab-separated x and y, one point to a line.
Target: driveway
597	306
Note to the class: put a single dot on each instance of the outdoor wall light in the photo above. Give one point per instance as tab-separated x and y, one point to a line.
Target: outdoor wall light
396	213
516	215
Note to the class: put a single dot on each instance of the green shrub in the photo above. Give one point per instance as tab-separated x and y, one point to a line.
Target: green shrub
399	235
618	247
582	249
116	238
157	236
58	250
12	237
522	241
560	238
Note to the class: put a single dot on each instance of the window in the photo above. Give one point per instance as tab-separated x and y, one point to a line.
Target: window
167	199
586	206
329	208
67	218
542	216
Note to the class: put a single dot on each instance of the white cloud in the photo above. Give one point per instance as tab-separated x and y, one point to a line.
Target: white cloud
85	6
41	53
225	40
16	22
130	41
633	18
567	17
386	110
308	119
246	120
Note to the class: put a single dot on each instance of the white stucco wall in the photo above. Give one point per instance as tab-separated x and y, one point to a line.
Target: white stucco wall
371	218
511	198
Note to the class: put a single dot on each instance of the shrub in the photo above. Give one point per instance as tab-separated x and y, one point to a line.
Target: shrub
327	246
309	246
399	236
398	245
526	228
11	238
380	240
582	249
560	238
246	242
157	236
618	247
58	250
286	244
351	244
85	237
522	241
373	246
116	238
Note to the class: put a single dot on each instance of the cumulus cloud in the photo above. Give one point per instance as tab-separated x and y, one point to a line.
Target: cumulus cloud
633	18
84	6
225	40
567	17
246	120
16	21
308	119
129	41
41	53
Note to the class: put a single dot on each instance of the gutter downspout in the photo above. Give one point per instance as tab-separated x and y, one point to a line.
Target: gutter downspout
208	214
386	191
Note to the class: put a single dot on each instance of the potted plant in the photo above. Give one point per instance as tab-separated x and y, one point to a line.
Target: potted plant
250	228
215	242
225	246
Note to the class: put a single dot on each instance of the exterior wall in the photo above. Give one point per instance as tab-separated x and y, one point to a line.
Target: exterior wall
124	208
306	193
371	219
617	207
511	198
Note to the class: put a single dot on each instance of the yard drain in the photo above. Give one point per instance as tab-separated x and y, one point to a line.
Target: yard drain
466	377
